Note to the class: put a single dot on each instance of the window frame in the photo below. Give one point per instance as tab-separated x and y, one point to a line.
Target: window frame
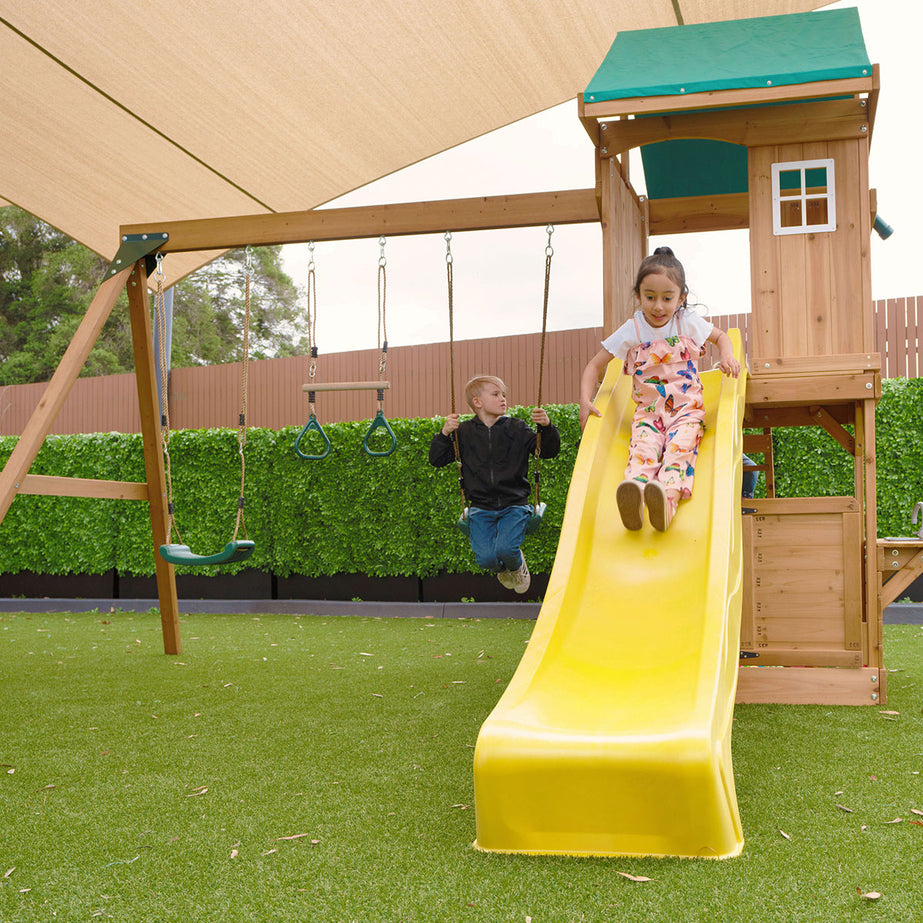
803	197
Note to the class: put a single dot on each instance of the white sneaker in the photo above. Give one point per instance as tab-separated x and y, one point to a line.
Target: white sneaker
505	578
521	576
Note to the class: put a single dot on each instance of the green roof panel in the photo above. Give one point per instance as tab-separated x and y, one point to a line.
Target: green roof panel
692	168
735	54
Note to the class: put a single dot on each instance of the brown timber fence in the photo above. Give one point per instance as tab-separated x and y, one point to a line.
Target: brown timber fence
209	397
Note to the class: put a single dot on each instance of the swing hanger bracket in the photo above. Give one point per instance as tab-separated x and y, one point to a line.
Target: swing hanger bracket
135	247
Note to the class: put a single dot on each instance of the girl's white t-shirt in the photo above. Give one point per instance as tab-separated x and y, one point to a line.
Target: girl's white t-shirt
687	322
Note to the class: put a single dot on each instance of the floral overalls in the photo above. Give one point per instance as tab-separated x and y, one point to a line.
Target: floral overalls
669	419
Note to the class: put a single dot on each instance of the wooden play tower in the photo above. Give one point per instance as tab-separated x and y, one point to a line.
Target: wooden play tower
765	124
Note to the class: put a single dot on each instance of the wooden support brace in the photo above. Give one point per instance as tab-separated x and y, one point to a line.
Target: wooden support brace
43	485
899	564
30	442
833	428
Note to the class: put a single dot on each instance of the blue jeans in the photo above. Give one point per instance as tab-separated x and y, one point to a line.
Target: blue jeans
496	535
749	479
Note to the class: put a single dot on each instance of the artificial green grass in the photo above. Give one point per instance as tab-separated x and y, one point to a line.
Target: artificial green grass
304	768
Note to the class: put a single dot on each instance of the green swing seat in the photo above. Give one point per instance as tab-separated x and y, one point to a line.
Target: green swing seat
237	550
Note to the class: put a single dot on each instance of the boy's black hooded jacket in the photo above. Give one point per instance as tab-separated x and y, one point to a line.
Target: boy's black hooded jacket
495	459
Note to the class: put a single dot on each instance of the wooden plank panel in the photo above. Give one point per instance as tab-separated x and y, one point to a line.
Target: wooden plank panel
805	656
794	365
897	333
811	626
852	249
913	307
765	276
881	337
813	390
806	686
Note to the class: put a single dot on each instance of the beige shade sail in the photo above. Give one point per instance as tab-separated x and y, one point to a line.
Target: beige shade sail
116	114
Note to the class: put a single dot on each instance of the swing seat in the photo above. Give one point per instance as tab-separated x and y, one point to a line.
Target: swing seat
238	550
312	426
379	423
535	520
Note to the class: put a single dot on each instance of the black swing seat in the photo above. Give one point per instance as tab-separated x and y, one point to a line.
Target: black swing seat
238	550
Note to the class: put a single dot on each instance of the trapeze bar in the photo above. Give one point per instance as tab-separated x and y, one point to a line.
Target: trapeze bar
349	386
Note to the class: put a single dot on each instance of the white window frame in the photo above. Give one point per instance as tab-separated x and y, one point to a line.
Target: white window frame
803	196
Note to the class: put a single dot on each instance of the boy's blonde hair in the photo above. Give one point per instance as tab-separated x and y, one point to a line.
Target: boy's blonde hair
478	383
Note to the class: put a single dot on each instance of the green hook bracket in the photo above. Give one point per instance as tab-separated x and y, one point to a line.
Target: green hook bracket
379	423
133	248
312	426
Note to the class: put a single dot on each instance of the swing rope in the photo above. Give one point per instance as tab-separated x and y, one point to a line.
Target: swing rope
380	422
160	316
311	294
382	317
549	253
312	425
244	388
449	259
538	506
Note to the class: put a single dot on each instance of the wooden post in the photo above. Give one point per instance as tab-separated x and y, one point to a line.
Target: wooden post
139	309
40	423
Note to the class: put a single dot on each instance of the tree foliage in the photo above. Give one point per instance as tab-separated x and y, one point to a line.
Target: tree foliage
47	281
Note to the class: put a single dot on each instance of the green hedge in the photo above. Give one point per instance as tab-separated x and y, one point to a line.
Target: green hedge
347	513
350	513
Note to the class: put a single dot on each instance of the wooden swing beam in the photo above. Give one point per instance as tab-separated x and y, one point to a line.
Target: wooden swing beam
483	213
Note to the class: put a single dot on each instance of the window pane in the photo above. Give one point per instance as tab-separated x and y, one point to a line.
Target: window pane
816	212
816	180
790	181
790	214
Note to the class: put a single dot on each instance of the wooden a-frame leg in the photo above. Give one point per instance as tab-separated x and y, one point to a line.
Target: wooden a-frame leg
145	376
52	400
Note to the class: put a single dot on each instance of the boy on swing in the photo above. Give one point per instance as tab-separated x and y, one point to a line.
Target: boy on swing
494	451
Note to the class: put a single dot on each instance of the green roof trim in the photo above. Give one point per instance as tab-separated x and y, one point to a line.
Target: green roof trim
734	54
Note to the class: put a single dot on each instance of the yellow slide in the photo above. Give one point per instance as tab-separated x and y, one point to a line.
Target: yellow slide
613	737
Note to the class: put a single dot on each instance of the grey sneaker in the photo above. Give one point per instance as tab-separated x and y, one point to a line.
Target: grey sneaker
521	576
505	578
630	500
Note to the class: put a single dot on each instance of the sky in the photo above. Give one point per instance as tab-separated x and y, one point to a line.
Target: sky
499	275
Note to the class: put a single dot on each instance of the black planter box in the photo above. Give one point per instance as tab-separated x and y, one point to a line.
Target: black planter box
349	587
247	584
58	586
482	588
